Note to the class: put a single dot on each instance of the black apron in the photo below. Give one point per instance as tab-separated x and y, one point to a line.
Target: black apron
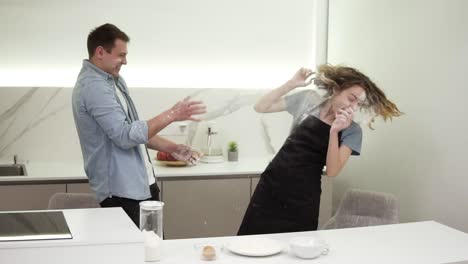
287	197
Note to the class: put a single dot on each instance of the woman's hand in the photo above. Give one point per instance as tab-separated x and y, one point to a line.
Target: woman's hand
343	119
300	78
274	101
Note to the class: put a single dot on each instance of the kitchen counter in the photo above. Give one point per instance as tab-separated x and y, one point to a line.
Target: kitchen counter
222	192
73	172
106	235
245	167
98	236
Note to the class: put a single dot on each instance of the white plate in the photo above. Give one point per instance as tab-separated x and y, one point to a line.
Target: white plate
254	246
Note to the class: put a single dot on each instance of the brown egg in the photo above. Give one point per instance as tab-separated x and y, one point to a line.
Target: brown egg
208	253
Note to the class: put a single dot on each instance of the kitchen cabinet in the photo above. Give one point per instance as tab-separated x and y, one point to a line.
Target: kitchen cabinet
27	197
197	207
325	212
78	188
85	188
254	184
326	200
204	207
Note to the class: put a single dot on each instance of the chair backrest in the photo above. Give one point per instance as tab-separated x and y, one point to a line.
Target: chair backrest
365	208
72	201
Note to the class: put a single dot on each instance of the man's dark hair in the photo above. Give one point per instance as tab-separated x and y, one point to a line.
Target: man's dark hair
105	36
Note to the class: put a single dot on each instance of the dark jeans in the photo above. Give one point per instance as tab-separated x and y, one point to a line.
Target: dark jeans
130	206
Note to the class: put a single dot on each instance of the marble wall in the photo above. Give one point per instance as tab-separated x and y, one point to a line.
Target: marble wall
36	123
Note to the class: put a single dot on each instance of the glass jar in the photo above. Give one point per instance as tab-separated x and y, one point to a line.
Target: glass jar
151	225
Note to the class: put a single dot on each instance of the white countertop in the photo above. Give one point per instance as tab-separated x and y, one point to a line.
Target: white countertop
420	242
73	171
89	226
102	235
245	166
120	242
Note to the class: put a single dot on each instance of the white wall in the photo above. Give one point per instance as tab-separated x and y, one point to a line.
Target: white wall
417	51
37	123
177	43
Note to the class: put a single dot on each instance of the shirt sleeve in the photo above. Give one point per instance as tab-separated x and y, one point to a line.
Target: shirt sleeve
352	137
100	102
294	101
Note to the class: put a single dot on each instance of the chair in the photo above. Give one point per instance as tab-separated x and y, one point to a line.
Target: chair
365	208
72	201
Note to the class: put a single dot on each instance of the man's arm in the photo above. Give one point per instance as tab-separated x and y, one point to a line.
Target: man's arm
183	110
178	151
99	101
161	144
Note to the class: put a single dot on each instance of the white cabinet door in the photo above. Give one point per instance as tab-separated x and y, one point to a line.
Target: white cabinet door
27	197
204	208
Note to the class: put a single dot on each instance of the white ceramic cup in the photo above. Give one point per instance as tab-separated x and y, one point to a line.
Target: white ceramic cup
308	247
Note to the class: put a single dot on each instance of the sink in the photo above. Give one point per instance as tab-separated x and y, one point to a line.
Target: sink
13	170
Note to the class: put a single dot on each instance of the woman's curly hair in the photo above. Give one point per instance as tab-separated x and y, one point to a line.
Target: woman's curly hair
339	78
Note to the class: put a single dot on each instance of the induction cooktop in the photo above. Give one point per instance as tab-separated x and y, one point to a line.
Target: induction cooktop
18	226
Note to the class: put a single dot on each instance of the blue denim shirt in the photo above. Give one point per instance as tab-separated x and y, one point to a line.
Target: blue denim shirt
109	141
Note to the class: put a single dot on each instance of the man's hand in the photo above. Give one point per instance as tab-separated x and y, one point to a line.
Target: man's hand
185	110
185	153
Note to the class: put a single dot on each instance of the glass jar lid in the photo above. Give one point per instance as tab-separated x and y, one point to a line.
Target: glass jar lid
151	205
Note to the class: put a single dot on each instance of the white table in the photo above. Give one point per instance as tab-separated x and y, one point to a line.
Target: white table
420	242
102	235
108	236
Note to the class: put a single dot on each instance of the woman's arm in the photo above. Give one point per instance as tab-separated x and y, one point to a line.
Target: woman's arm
338	156
274	100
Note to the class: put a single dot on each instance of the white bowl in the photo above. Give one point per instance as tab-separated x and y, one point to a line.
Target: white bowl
308	247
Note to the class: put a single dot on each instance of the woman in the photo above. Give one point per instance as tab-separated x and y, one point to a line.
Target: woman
287	197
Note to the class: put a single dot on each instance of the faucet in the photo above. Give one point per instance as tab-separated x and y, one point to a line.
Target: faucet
211	132
15	158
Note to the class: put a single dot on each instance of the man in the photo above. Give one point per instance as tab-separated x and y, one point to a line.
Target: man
113	139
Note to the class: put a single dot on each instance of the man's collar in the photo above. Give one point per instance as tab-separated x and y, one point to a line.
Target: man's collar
89	64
